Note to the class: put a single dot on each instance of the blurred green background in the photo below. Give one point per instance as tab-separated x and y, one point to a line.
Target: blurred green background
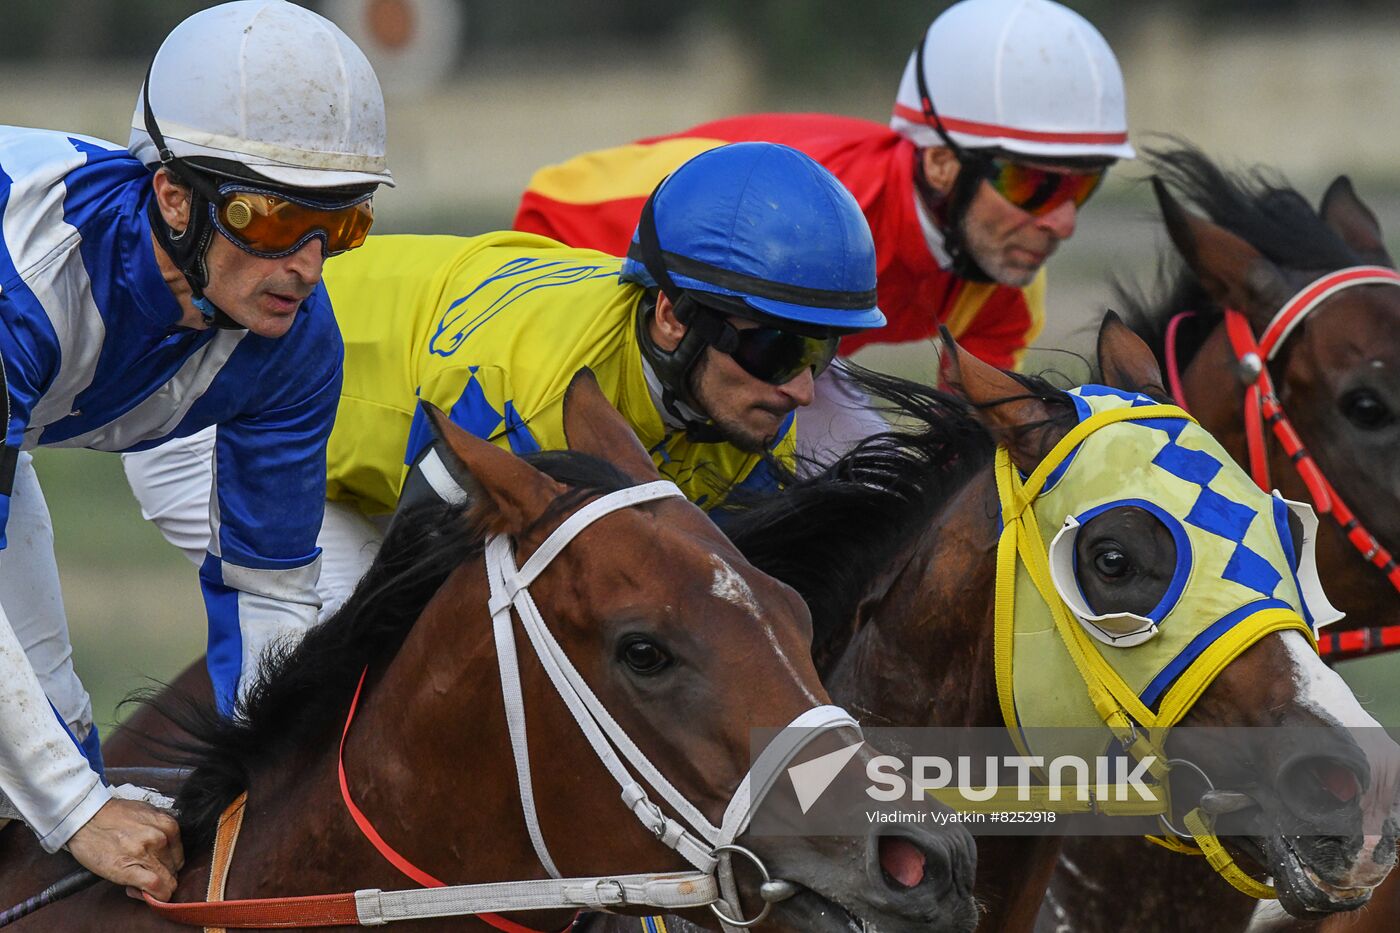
480	93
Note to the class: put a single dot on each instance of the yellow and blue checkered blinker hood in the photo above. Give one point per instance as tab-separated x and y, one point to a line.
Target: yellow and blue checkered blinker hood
1238	575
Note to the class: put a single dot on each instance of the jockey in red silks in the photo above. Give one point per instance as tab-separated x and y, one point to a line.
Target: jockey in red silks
1008	115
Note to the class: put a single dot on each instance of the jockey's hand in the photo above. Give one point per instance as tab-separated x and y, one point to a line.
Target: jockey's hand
132	843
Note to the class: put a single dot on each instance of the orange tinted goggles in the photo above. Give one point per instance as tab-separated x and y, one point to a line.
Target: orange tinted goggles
272	225
1039	191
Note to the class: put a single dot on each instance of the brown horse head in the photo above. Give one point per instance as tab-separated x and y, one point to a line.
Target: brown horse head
1334	373
694	649
685	644
913	635
1324	767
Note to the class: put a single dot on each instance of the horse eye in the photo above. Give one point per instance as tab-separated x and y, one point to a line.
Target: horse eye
1112	563
1365	409
644	656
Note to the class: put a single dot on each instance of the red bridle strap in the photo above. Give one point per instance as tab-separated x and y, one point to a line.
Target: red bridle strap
1357	643
392	855
1306	301
1173	368
1262	407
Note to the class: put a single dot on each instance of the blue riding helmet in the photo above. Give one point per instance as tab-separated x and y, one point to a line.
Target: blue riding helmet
764	226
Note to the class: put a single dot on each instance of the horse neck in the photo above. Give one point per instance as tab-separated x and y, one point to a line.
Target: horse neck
427	760
921	653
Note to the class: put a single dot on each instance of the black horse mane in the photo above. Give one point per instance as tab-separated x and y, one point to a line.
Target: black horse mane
1257	205
829	535
303	693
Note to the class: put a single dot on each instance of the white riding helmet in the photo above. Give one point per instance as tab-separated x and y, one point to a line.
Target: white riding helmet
271	86
1026	76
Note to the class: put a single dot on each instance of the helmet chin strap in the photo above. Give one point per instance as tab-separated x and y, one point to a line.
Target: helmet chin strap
949	212
674	367
953	208
188	249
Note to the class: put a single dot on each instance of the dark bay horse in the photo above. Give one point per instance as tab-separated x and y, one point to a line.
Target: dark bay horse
679	636
894	548
1335	377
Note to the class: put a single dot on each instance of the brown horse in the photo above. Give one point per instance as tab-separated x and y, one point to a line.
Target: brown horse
683	639
1262	244
894	550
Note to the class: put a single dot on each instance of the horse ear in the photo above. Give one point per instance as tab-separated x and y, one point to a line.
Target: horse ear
520	492
1017	420
1233	273
593	426
1349	217
1126	361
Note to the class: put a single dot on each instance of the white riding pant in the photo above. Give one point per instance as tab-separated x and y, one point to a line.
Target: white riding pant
172	483
41	771
839	418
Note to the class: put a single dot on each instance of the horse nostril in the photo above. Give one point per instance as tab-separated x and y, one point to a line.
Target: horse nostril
902	861
1320	785
1338	781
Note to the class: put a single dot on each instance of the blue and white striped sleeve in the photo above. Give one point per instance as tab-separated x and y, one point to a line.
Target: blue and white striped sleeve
260	575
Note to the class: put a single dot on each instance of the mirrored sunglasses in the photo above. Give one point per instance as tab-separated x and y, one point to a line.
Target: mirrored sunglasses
1038	191
272	225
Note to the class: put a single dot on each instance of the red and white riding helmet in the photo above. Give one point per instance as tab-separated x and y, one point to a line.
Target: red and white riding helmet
1027	76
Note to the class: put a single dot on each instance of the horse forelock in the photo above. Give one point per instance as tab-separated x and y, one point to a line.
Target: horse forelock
1256	204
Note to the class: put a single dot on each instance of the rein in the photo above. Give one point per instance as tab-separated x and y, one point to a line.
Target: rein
707	847
1262	407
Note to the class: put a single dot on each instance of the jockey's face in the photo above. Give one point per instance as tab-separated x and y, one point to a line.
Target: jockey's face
261	294
747	410
1010	244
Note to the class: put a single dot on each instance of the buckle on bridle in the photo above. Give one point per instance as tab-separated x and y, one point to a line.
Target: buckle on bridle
617	897
1249	368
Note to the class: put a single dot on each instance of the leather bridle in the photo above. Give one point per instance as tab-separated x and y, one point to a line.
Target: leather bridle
1262	408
